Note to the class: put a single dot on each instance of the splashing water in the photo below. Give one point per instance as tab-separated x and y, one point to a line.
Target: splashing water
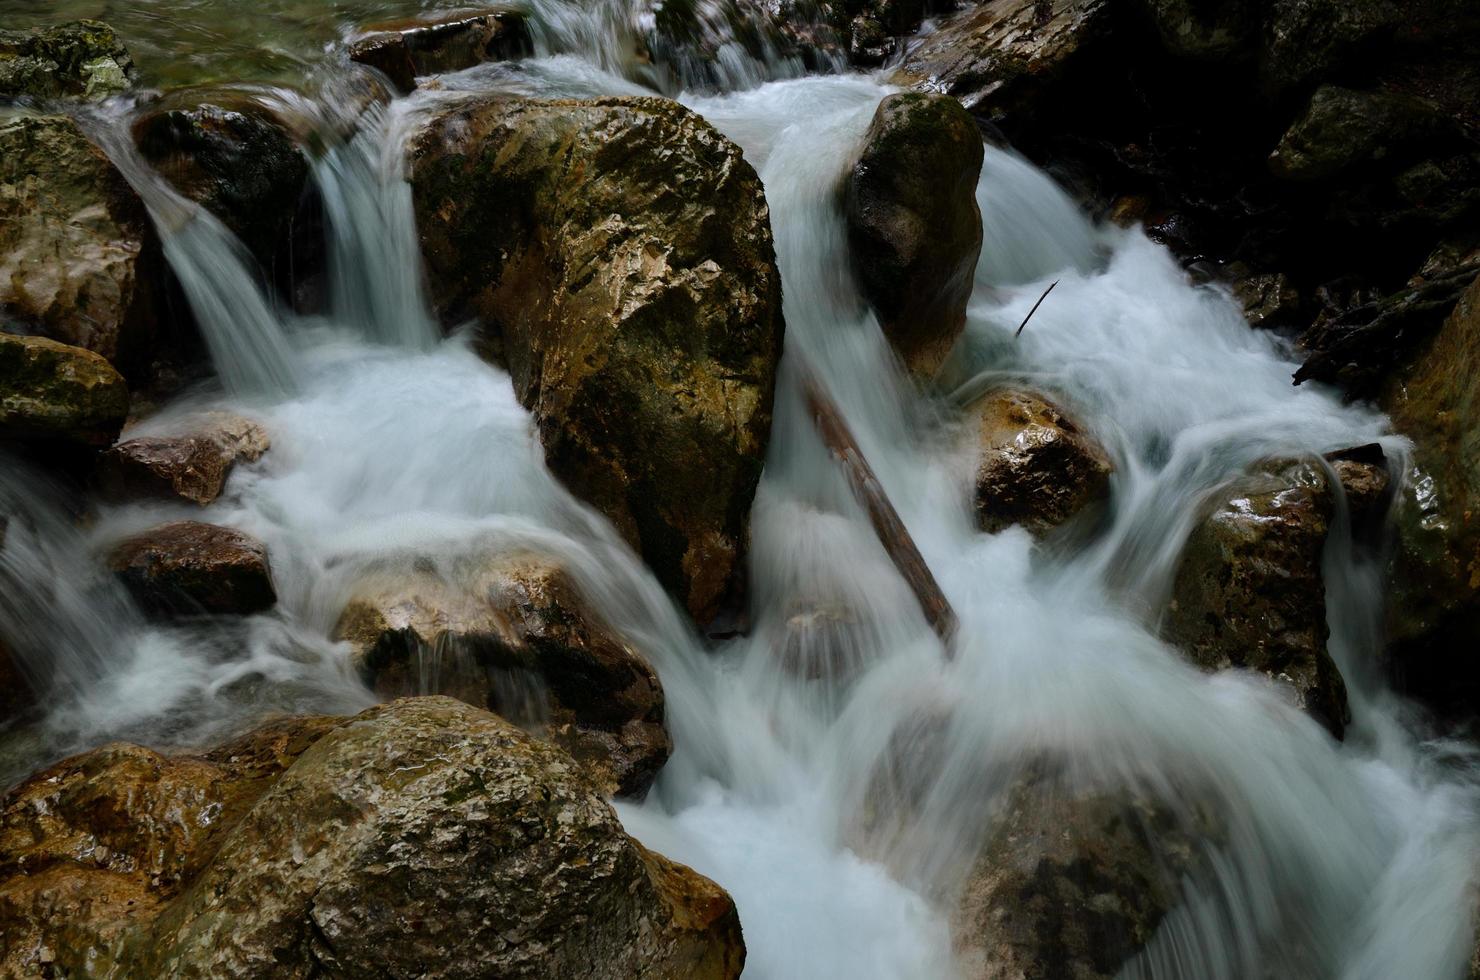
391	447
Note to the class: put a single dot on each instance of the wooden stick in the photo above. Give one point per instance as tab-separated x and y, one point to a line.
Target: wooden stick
893	535
1034	309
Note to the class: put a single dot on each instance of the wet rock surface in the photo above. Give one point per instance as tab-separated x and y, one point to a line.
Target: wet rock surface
513	634
50	392
191	466
82	59
405	838
914	229
190	567
1037	468
407	49
1249	593
78	258
617	256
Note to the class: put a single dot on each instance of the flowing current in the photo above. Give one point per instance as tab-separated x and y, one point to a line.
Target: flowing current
394	447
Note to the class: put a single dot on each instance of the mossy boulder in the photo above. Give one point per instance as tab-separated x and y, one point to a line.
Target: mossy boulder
79	260
1225	30
513	634
1249	593
230	152
190	567
1036	467
83	59
1343	128
616	255
1435	601
914	229
53	393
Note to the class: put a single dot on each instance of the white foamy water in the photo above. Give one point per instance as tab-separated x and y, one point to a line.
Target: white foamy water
394	449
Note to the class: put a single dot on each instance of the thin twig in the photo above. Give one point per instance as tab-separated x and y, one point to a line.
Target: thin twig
1034	309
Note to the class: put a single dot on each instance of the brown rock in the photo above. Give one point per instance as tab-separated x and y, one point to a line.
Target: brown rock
97	843
914	229
191	567
426	837
407	49
53	393
1037	468
617	256
514	634
1249	592
78	255
993	55
191	466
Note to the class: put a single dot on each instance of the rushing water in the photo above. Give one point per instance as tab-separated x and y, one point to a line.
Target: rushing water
392	447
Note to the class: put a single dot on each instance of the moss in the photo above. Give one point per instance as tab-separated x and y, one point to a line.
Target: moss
52	391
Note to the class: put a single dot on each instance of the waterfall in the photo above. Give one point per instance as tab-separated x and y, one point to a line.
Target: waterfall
395	446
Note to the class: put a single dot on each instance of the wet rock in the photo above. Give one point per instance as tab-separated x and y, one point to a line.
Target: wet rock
995	56
190	567
82	59
868	42
98	843
78	257
1037	467
914	229
617	257
427	837
1343	128
1435	601
1071	883
407	49
228	151
1269	299
821	641
50	392
191	466
514	634
1309	39
1249	594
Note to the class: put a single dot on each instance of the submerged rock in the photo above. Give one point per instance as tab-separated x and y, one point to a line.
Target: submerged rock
407	49
914	229
994	56
514	634
1071	883
78	255
229	152
191	567
1249	593
191	466
83	58
50	392
1037	468
1435	601
617	257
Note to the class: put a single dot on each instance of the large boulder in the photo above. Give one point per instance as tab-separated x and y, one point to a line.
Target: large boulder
617	257
78	255
192	465
100	842
404	50
513	634
53	393
914	229
83	59
191	567
1343	128
1071	883
426	837
231	152
1036	467
1220	31
1249	593
995	56
1435	614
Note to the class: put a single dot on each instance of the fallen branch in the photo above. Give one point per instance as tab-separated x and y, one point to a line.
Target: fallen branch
892	533
1034	309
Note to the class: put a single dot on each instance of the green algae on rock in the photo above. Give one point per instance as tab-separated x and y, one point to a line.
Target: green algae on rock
54	392
82	59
